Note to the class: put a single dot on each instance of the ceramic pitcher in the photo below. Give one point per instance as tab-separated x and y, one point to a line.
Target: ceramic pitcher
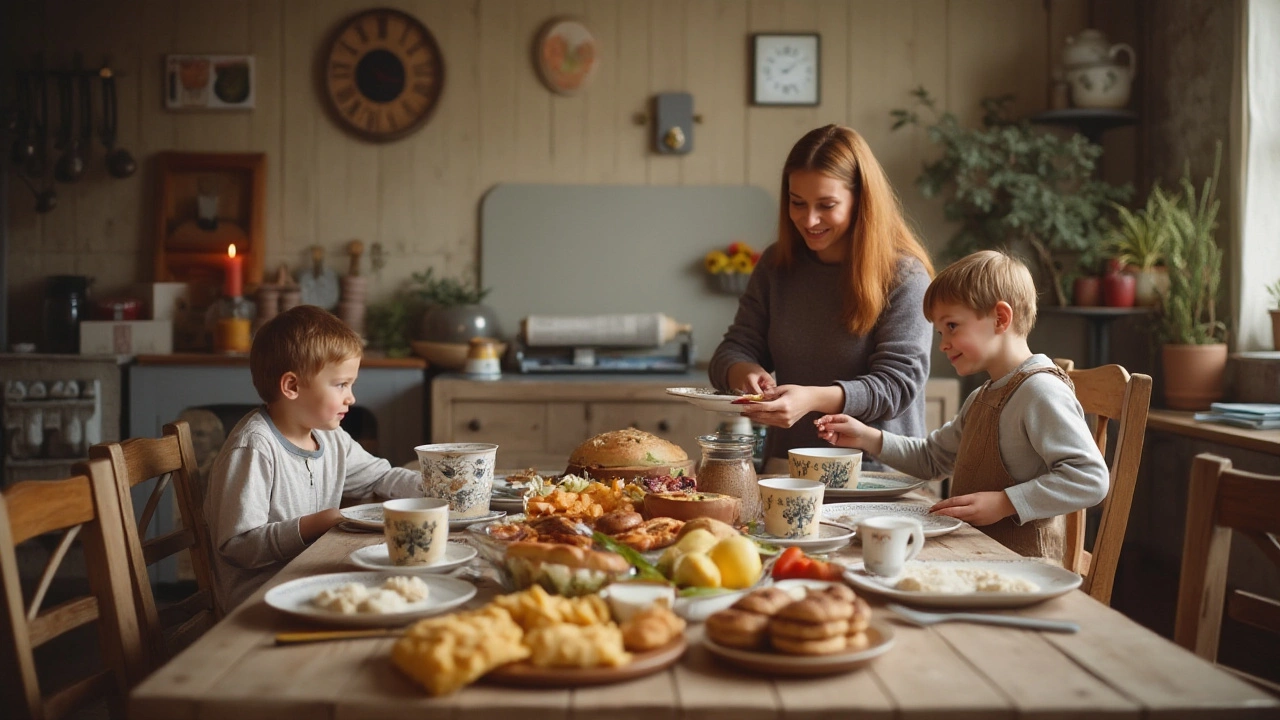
1094	70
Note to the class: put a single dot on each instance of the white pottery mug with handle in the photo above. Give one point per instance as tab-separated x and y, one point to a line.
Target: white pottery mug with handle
417	530
889	542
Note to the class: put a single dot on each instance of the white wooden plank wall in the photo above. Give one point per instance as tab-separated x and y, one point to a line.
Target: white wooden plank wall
496	123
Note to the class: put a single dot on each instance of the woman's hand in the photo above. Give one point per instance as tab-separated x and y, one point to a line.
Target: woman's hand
749	378
977	509
782	406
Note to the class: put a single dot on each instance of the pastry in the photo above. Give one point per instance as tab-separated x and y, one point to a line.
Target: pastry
653	534
651	628
618	522
738	629
765	601
817	609
825	646
796	630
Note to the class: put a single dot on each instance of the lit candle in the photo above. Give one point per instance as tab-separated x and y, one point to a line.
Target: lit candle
232	284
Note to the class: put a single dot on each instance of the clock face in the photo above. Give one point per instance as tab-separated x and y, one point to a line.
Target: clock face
383	74
786	69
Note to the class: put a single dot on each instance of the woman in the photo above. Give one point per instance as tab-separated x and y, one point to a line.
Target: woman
834	306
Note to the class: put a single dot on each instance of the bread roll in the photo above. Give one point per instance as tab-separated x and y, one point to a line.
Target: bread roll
569	555
626	448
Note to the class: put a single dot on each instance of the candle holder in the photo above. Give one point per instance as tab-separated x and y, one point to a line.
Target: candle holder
231	322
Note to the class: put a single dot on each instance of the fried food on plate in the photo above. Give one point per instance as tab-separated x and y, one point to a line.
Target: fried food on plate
445	653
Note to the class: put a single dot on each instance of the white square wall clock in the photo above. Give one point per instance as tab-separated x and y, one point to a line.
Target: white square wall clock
785	68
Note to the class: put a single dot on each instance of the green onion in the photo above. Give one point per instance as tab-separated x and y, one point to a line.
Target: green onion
644	569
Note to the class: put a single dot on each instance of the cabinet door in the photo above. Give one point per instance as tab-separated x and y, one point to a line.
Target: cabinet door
513	426
680	422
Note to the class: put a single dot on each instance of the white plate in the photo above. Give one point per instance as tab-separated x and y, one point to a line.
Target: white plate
875	484
376	557
295	597
848	514
830	537
698	609
1052	580
708	399
771	663
369	515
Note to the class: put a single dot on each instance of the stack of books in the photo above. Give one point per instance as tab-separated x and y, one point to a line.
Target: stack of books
1257	416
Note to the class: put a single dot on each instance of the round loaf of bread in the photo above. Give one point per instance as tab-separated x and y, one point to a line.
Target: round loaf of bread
569	556
628	453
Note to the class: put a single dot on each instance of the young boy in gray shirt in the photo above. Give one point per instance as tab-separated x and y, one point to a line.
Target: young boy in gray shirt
278	480
1019	453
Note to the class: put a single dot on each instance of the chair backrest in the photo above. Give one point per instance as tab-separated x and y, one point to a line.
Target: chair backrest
86	507
171	460
1222	500
1110	394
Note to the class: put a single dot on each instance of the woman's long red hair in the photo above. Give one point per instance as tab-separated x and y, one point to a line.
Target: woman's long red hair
880	236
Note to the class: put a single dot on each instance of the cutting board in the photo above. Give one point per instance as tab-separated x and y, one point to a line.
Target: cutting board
592	249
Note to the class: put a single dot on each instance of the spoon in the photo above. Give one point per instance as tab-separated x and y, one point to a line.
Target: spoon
120	163
69	165
918	617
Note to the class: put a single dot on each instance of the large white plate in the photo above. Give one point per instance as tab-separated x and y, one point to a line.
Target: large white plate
708	399
848	514
875	484
880	634
1052	580
295	597
830	537
376	557
369	516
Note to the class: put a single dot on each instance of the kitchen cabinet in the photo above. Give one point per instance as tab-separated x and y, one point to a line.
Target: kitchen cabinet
537	421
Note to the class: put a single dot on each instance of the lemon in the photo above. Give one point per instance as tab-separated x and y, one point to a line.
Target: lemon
738	561
696	570
667	562
697	540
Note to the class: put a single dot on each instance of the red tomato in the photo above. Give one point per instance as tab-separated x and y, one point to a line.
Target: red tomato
792	563
833	572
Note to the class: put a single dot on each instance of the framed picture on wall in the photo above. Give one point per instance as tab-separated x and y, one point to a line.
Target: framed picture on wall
785	69
208	82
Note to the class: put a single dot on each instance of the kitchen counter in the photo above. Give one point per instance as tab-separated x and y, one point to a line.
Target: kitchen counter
212	360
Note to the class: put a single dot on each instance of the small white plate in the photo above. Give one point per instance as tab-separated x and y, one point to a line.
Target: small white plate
848	514
701	607
1051	579
708	399
376	557
369	515
875	484
294	598
831	536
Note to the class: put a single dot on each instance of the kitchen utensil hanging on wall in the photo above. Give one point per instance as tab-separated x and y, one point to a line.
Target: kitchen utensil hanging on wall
24	145
70	165
120	163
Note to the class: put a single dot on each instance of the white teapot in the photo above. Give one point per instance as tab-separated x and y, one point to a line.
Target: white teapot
1093	70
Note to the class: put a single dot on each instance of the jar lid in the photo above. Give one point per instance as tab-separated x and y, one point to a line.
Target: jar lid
727	440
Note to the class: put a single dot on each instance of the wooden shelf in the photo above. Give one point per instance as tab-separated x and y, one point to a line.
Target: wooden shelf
1091	122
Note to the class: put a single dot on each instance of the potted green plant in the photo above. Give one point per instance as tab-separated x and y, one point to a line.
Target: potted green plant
1273	291
1194	352
1009	182
1136	241
453	313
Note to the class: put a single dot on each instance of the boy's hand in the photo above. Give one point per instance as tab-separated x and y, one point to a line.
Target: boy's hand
846	431
312	526
977	509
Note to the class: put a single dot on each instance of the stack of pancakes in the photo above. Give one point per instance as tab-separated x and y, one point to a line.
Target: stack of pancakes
825	621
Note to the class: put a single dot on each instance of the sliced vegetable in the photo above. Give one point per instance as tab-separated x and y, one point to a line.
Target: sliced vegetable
793	564
644	569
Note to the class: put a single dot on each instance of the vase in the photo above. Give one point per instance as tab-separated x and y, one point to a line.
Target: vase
1152	284
1087	291
1193	375
447	332
1118	290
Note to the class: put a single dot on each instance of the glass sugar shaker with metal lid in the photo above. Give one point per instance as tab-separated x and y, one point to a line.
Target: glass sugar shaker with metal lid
727	467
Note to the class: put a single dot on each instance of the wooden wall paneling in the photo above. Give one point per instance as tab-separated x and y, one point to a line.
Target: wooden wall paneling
568	112
607	117
266	128
301	112
768	136
532	158
986	60
929	68
461	129
410	178
633	92
497	92
59	228
833	21
216	28
701	80
343	166
666	74
728	123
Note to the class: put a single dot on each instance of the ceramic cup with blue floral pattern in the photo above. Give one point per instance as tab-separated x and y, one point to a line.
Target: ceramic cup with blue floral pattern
417	530
461	473
792	507
832	466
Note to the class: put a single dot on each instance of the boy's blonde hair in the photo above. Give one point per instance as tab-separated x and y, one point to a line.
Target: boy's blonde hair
981	280
301	340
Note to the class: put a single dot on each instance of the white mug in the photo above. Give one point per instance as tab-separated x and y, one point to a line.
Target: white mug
832	466
889	542
417	530
792	507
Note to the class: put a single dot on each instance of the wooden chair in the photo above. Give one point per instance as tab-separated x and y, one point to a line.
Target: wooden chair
83	506
171	459
1108	393
1222	500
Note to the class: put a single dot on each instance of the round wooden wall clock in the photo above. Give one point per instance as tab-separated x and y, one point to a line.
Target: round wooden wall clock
382	74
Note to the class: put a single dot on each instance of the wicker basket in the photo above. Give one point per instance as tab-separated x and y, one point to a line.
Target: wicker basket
730	283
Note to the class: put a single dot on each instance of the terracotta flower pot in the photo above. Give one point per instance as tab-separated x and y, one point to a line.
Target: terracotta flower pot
1118	290
1151	285
1087	291
1193	375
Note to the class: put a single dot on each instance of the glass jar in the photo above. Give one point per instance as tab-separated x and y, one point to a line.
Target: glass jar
65	305
727	467
230	320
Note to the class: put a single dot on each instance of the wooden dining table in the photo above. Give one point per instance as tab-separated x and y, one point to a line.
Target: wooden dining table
1112	667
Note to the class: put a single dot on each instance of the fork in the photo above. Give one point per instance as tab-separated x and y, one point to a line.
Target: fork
918	617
